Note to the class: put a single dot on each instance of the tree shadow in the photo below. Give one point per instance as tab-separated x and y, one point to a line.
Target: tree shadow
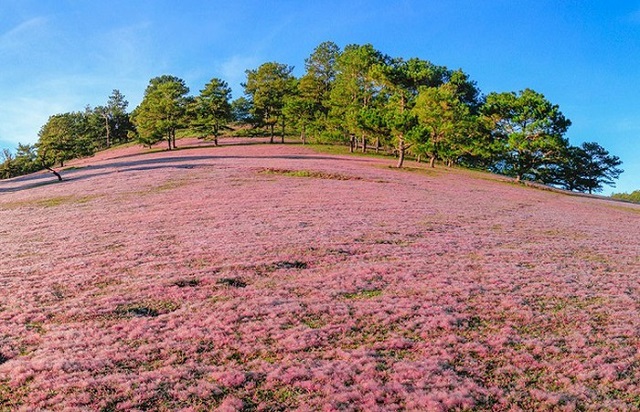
169	162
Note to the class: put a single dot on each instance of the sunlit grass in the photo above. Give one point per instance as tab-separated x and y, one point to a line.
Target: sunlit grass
49	202
308	173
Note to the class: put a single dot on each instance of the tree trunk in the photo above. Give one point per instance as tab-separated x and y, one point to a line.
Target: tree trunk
432	161
378	144
303	135
352	143
401	150
54	172
271	138
173	138
364	143
106	126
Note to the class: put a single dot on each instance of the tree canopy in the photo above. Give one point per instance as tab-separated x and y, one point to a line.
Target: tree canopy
586	168
529	130
116	121
212	109
162	111
267	88
64	137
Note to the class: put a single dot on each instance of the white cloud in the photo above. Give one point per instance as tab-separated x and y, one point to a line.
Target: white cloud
22	33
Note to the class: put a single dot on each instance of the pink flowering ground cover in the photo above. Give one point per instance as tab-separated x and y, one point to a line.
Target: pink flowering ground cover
275	277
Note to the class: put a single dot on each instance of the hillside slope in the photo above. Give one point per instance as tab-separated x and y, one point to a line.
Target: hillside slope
272	277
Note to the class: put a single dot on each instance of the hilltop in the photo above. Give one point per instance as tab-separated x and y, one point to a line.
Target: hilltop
272	277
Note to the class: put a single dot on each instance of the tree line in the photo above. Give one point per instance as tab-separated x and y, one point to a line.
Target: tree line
629	197
67	136
357	96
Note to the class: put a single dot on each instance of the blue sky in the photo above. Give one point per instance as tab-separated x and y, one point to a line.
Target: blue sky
584	55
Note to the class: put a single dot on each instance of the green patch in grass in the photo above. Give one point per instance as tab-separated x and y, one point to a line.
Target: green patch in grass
282	398
54	201
363	294
48	202
169	185
308	173
37	327
11	398
313	321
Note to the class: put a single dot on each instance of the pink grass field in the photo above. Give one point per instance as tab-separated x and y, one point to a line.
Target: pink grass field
275	277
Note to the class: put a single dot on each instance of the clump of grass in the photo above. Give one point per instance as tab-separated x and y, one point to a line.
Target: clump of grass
340	252
146	309
267	268
137	311
233	282
184	283
37	327
58	291
313	321
308	173
296	264
284	398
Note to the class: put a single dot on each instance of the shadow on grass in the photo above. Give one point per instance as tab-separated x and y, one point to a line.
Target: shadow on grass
169	161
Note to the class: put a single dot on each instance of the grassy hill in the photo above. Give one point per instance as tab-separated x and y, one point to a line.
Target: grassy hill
274	277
